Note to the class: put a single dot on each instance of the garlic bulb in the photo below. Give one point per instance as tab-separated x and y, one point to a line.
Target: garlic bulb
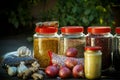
12	70
22	67
23	51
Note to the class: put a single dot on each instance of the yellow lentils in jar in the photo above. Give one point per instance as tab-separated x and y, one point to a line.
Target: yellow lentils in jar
45	39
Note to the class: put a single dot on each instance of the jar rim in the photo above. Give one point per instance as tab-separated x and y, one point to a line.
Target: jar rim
98	29
93	48
72	29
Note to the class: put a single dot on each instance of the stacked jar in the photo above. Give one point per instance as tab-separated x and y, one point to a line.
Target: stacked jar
45	39
72	37
101	36
116	49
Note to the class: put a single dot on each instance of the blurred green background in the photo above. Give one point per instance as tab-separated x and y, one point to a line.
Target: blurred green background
20	16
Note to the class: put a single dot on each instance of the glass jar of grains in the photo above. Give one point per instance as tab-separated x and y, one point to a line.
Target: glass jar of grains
116	49
72	37
92	62
101	36
45	39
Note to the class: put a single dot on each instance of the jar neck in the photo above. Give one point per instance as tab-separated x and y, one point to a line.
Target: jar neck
117	34
100	33
108	34
93	52
46	35
81	34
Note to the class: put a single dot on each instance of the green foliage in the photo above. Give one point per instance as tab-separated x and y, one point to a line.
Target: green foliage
20	17
67	12
19	13
83	12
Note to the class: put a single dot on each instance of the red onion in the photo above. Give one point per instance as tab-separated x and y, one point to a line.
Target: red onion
78	71
65	72
52	71
71	52
70	62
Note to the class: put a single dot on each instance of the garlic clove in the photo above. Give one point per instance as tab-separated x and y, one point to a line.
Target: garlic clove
22	67
12	70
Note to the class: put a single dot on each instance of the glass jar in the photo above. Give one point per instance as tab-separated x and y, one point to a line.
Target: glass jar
92	62
116	49
101	36
45	39
72	37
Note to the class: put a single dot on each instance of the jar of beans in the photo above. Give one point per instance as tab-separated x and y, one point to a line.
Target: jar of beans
116	49
72	37
101	36
45	39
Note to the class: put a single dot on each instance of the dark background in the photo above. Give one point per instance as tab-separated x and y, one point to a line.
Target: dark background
18	18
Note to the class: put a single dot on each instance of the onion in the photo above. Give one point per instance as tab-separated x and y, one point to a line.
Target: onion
65	72
78	71
52	71
70	62
71	52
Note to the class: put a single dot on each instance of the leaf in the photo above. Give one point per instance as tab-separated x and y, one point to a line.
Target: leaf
101	20
84	20
91	17
69	4
101	8
87	12
74	9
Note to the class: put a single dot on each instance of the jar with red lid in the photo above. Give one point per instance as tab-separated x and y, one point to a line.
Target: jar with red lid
116	49
72	37
92	62
45	39
101	36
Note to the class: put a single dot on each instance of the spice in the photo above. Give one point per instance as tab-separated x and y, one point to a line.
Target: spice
45	39
116	50
72	37
92	62
101	36
41	48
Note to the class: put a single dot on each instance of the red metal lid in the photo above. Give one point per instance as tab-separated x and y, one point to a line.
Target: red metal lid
72	29
93	48
99	29
46	29
117	30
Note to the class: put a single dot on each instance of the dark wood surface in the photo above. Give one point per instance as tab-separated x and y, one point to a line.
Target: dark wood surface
11	43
